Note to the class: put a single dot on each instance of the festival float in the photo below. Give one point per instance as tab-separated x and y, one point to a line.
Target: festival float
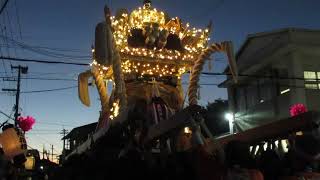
142	56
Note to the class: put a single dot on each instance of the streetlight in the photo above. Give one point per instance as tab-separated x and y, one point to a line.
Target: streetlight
230	118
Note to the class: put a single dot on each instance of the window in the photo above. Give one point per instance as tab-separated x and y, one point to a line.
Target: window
312	80
67	145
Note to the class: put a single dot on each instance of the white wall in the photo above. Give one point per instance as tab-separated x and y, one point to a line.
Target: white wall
296	56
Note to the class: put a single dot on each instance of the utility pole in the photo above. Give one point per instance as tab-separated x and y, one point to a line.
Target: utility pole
43	151
23	70
64	133
52	152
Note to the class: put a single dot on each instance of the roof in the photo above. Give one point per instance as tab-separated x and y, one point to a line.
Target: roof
268	33
81	131
250	37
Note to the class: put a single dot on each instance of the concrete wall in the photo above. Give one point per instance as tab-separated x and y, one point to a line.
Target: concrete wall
313	99
265	112
299	54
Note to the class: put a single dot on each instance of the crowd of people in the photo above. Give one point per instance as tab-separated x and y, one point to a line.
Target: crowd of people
237	163
300	162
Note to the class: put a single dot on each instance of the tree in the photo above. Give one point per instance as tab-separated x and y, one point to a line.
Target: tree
214	117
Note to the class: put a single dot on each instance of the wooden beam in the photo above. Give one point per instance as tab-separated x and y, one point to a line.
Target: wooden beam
179	120
276	129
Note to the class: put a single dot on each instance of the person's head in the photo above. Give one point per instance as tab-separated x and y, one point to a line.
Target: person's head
270	164
237	153
308	144
1	150
7	126
305	151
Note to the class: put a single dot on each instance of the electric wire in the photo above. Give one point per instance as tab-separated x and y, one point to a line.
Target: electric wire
3	6
42	61
18	18
10	31
1	112
39	78
3	31
46	51
48	90
204	73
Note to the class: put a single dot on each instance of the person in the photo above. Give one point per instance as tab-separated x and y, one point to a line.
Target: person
2	164
304	152
239	162
270	164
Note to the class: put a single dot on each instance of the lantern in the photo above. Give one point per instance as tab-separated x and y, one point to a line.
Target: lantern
30	163
13	142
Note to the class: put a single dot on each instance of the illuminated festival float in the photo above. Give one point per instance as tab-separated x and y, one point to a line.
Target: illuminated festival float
142	56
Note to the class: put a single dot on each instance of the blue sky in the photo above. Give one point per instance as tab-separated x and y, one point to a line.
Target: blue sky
70	25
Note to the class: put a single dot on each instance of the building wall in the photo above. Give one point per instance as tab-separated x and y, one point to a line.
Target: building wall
312	63
251	106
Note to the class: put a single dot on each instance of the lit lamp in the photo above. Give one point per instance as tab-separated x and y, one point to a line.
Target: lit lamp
230	118
30	163
12	143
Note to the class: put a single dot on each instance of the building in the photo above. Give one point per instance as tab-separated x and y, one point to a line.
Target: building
277	69
76	137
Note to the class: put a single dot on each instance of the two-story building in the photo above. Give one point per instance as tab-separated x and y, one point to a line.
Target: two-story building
277	69
76	137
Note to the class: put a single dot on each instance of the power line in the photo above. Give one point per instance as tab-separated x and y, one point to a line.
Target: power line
219	4
208	84
45	141
39	78
18	18
204	73
45	47
44	123
55	124
4	31
1	112
260	76
10	32
44	133
48	130
49	90
21	70
49	79
211	9
41	74
202	84
52	73
30	147
46	51
4	6
42	61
